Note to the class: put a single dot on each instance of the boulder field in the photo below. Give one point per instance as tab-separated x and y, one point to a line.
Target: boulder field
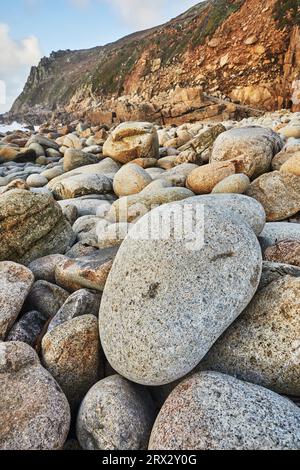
150	286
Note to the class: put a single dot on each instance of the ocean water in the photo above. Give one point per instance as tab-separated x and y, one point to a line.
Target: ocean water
12	127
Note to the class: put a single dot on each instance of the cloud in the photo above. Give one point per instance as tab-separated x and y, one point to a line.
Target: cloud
16	58
144	13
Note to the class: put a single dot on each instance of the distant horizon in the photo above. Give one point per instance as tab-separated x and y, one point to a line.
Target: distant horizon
40	29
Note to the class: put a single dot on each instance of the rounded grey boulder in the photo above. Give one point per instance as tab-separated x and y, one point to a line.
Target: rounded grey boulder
71	353
169	297
212	411
263	345
115	415
247	208
35	414
251	148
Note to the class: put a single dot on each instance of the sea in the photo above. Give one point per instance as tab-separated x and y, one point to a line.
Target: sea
15	126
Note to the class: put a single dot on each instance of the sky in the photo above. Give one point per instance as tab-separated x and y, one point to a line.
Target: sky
31	29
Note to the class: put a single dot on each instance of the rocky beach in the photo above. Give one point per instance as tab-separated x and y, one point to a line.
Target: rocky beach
185	337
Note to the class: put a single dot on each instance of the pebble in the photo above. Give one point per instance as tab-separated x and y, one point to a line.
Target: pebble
44	268
36	181
279	193
43	230
28	329
46	298
81	302
131	208
76	158
275	232
287	251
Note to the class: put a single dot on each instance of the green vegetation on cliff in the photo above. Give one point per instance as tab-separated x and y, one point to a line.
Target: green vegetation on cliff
287	13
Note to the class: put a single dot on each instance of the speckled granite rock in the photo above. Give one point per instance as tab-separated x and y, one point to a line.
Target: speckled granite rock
87	272
212	411
275	232
262	346
273	271
279	194
81	302
203	179
28	328
171	297
131	140
130	208
251	148
115	415
71	353
46	298
44	268
287	251
130	179
248	209
31	226
35	414
234	184
15	284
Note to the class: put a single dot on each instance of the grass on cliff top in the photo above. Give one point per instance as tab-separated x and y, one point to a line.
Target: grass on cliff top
109	77
287	13
219	12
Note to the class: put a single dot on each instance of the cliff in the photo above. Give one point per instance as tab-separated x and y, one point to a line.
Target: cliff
200	65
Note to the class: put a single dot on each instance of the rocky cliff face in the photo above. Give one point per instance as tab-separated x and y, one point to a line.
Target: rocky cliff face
200	65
